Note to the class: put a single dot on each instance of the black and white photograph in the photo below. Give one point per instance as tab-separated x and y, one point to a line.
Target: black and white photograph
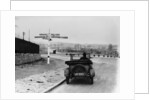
74	49
67	54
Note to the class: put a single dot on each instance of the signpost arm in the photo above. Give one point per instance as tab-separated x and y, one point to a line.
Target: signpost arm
49	36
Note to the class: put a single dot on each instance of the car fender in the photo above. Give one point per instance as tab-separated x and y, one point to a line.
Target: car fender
92	72
66	72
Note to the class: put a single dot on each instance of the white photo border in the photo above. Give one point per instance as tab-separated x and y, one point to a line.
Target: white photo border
8	54
141	8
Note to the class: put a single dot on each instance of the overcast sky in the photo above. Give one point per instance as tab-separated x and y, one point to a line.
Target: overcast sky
79	29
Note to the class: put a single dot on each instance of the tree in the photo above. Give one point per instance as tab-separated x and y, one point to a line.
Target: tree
110	47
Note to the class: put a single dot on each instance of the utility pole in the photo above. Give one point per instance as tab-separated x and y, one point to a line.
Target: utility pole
48	36
23	35
29	35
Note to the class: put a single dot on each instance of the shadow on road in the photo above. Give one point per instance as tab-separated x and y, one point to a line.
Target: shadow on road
80	81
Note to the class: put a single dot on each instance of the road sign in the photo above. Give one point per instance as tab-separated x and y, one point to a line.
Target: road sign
43	37
64	37
55	35
49	36
39	36
42	34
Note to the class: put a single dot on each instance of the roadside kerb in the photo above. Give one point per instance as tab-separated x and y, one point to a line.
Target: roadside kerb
53	87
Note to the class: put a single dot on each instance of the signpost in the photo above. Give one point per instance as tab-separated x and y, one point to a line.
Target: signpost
49	36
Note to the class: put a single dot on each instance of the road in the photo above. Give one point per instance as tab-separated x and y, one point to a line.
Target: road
105	81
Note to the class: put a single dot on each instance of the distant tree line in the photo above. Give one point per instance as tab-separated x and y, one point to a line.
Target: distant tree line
107	51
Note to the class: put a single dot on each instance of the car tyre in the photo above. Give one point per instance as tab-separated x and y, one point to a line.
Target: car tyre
67	80
92	81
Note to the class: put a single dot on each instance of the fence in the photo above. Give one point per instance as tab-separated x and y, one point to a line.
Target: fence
22	46
26	52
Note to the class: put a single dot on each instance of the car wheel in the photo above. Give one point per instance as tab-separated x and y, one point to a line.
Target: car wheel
92	81
92	72
67	80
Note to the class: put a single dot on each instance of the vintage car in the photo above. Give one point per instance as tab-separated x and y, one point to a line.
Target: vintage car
79	68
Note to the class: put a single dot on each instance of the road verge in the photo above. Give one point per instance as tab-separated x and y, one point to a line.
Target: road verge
54	86
40	83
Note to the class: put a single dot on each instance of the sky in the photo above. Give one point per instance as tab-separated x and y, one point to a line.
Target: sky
79	29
